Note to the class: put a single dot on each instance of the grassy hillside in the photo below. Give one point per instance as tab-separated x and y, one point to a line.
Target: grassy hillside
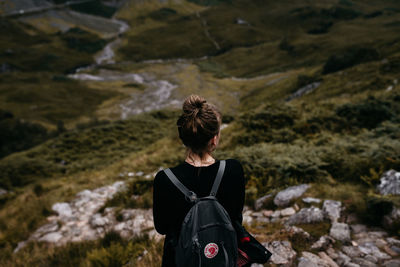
273	37
253	59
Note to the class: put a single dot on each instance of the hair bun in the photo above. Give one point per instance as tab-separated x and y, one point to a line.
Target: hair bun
193	104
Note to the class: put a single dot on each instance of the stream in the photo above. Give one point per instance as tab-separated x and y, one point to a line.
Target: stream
156	95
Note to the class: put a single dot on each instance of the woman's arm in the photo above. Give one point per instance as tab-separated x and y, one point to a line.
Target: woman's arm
159	200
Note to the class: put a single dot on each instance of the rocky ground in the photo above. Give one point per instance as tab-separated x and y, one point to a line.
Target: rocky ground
348	243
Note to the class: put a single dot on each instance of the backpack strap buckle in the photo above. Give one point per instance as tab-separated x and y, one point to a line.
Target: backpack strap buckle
191	197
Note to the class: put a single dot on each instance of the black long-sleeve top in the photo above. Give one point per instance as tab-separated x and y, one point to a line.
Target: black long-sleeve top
170	206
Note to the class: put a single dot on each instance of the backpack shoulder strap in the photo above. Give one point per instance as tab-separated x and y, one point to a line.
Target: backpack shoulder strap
218	179
191	196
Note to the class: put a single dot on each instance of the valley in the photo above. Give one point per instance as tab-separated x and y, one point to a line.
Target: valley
90	93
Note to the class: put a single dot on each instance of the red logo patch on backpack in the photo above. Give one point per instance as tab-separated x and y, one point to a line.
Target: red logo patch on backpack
211	250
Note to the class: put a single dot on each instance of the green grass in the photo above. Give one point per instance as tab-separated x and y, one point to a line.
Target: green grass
250	50
25	48
43	97
86	149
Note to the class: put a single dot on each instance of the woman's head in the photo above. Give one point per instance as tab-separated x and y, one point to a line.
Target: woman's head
199	125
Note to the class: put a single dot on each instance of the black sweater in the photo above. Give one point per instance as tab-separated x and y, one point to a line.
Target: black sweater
170	206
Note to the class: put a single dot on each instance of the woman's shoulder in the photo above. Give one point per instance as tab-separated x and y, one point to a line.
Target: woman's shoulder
161	176
233	163
234	166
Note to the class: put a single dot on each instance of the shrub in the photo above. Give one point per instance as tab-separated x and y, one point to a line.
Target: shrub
367	114
377	207
81	40
349	57
95	7
17	135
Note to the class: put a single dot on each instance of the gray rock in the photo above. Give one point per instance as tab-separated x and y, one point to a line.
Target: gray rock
351	264
276	214
310	200
297	230
51	237
317	261
257	214
352	252
99	221
342	259
282	253
363	262
47	228
390	183
283	198
328	259
395	249
332	209
371	258
358	228
380	243
390	221
304	262
63	209
261	202
393	241
371	249
392	263
288	212
332	253
306	215
340	231
323	243
304	90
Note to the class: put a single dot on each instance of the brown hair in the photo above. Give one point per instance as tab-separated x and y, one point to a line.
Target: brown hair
198	124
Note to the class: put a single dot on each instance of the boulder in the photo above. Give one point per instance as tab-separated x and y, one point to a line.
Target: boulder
282	253
328	259
390	183
363	262
351	264
63	209
358	228
304	262
51	237
310	200
293	230
262	201
287	212
391	221
313	260
352	252
371	249
323	243
342	259
340	231
392	263
306	215
283	198
332	209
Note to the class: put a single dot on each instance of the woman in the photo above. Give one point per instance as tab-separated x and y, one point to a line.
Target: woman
199	130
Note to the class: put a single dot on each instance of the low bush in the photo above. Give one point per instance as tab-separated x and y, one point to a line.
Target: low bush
17	135
367	114
84	41
349	57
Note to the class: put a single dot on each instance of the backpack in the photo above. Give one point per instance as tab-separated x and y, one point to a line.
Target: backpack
207	237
